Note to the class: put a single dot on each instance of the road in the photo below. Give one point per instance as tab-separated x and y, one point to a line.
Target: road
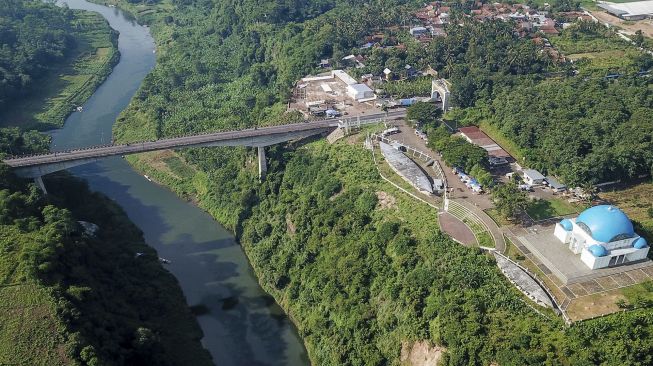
247	137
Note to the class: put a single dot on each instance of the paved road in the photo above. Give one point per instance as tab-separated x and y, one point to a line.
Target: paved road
187	141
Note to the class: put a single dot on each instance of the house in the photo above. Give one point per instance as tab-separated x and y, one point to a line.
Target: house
410	71
388	74
533	177
354	60
555	185
438	32
419	31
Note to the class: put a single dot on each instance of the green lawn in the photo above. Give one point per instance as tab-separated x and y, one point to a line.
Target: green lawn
70	83
497	217
545	209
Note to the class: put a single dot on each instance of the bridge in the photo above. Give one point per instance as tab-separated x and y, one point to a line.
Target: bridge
35	166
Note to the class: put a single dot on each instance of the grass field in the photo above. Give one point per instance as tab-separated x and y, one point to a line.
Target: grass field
606	302
554	207
597	54
29	329
69	84
637	203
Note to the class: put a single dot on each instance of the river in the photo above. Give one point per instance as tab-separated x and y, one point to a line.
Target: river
243	326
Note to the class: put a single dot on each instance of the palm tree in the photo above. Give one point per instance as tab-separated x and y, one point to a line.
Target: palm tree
589	192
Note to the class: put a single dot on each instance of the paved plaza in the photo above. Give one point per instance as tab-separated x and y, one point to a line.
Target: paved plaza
556	258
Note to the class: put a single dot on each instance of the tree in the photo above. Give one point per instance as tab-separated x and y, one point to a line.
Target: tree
426	114
638	38
509	200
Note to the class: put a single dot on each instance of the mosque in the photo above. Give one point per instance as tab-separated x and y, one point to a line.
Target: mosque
604	237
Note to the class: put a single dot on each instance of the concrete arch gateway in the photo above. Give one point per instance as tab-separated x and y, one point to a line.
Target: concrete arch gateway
440	93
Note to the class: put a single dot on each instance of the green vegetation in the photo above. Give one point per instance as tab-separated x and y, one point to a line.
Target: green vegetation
585	128
408	88
637	203
458	152
553	207
76	296
54	59
425	114
497	217
509	200
357	277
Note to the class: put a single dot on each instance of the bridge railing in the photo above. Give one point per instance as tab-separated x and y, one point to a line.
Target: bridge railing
308	124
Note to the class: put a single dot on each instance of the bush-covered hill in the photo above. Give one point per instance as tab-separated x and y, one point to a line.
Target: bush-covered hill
72	297
357	280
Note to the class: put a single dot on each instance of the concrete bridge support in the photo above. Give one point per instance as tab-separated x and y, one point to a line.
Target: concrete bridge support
39	182
262	164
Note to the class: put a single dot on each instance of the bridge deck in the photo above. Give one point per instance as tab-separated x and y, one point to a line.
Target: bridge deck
258	137
168	143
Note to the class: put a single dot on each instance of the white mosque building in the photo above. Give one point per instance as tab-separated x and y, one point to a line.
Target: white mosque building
604	237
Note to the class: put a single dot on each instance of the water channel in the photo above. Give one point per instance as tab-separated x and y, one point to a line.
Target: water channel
244	326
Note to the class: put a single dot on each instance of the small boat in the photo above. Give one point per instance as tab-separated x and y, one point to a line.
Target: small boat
164	261
80	108
148	178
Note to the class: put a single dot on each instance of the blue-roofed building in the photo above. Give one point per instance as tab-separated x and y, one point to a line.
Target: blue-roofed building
603	236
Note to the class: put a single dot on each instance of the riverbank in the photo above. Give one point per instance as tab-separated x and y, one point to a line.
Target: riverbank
91	293
70	83
284	231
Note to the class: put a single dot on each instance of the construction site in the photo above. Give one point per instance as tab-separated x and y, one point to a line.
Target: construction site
332	94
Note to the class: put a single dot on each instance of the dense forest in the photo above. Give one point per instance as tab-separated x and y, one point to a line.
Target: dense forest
33	36
109	305
585	128
73	289
357	276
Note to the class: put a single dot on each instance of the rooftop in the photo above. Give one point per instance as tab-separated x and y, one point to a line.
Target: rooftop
533	174
634	8
406	168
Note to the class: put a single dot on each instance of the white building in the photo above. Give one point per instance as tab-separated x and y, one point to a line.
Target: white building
419	31
355	90
636	10
603	236
359	91
533	177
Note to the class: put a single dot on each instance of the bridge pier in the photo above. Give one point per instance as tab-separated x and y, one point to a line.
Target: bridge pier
39	182
262	164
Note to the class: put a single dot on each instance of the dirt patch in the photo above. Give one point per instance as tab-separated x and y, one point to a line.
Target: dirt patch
420	354
646	26
290	226
156	160
595	305
386	200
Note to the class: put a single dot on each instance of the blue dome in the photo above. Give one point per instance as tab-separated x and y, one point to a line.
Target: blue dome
597	250
640	243
606	223
566	224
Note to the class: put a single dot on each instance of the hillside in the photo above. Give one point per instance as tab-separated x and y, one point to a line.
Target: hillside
74	295
359	280
53	60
